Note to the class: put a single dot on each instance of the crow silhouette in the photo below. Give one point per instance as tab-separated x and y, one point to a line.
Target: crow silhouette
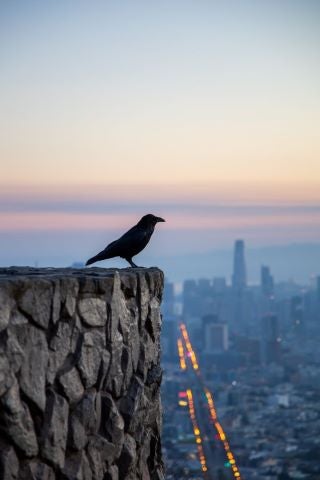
131	243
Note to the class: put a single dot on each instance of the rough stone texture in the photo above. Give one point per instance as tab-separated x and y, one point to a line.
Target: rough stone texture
72	386
9	463
55	430
80	374
16	421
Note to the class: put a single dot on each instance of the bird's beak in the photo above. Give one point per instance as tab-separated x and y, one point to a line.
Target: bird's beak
159	219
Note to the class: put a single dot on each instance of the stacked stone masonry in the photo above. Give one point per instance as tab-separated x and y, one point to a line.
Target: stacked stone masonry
80	374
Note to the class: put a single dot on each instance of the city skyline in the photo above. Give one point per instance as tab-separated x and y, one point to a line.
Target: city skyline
258	371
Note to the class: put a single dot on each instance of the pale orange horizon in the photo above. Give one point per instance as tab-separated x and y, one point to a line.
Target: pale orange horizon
221	191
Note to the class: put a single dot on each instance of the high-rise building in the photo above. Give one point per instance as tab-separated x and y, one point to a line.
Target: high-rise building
267	284
239	277
204	286
208	320
239	291
215	335
169	338
219	285
190	298
270	340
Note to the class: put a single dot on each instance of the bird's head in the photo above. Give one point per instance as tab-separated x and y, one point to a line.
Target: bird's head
150	220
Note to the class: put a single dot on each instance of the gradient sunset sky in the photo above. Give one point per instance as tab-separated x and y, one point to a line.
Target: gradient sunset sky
204	112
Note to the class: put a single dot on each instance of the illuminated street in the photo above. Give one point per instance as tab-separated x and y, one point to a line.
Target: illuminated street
207	451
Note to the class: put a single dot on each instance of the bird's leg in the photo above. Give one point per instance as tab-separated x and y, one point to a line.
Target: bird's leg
133	265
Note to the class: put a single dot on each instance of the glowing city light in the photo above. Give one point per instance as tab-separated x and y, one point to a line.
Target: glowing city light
196	431
181	354
190	351
221	435
182	395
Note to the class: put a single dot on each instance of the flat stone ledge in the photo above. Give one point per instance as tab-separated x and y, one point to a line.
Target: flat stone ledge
9	272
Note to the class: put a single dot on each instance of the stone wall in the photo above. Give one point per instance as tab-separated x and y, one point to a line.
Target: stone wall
80	374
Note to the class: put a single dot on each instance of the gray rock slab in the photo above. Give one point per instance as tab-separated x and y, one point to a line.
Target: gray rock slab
17	422
77	467
101	453
112	423
62	344
55	431
88	412
93	345
6	305
115	376
36	470
9	463
7	377
93	311
77	436
112	473
69	288
72	385
33	344
128	456
36	299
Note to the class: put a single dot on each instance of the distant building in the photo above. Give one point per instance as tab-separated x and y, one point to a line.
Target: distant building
267	283
208	320
249	348
270	339
280	400
219	285
204	286
169	338
215	335
239	277
190	298
198	298
297	314
239	290
169	323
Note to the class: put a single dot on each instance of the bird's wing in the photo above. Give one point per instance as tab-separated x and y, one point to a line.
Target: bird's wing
131	242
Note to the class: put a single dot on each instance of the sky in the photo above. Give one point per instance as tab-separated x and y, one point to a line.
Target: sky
204	112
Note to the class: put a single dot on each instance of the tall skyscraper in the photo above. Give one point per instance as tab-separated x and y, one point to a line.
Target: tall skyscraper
267	284
239	277
270	338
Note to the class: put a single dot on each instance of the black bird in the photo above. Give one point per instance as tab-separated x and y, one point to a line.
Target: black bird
131	243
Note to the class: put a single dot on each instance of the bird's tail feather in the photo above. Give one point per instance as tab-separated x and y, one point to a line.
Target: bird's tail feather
103	255
94	259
